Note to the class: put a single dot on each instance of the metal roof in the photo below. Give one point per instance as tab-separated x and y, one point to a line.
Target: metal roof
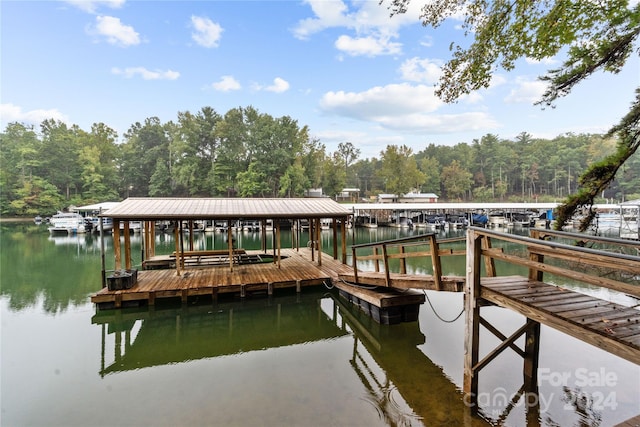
96	207
143	208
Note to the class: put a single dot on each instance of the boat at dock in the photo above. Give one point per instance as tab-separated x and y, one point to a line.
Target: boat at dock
106	225
67	223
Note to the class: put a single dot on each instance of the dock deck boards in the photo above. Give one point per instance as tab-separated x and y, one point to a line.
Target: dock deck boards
296	270
599	322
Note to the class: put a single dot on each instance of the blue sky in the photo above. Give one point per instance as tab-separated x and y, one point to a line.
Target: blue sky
344	69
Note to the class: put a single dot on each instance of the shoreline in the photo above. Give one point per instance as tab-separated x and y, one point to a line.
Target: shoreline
15	219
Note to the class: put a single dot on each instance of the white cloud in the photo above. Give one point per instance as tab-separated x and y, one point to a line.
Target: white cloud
405	108
421	70
370	22
130	72
526	91
363	17
226	84
279	85
10	113
381	101
207	33
90	6
115	31
367	46
441	123
327	14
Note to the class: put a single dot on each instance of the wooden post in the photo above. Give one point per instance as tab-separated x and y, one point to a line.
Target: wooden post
263	235
335	238
376	265
179	256
435	261
489	263
472	320
403	261
385	259
127	246
343	230
102	260
530	371
319	239
191	235
116	245
354	260
531	356
230	244
311	238
145	241
535	274
278	243
151	251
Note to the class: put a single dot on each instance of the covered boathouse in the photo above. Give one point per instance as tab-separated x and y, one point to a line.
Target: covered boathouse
187	272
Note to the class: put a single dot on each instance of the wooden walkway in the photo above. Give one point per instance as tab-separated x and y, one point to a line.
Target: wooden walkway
600	323
297	270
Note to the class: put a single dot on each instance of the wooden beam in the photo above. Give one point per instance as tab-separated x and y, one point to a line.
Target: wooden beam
230	243
127	246
278	243
472	319
435	261
117	254
335	238
319	239
176	239
343	230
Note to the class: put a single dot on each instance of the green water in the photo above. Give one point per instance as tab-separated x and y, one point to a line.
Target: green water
290	360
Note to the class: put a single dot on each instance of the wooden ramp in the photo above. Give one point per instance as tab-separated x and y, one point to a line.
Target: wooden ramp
297	270
600	323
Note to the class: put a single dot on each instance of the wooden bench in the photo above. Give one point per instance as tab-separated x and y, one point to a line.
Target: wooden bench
209	257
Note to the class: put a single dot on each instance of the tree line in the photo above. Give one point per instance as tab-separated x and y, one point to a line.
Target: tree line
246	153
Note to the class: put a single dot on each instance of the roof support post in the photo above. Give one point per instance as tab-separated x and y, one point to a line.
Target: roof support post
176	239
343	231
278	243
312	227
230	243
319	239
102	262
116	245
335	237
127	246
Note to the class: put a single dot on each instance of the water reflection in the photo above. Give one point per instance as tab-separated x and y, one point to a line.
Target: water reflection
152	337
401	384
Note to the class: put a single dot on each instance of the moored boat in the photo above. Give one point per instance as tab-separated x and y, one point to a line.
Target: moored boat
67	222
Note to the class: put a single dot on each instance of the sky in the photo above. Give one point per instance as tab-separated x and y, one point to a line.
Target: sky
345	69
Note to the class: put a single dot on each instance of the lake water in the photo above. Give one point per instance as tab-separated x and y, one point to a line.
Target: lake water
294	360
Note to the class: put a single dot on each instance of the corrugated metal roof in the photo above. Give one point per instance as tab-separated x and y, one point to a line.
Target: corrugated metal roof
219	208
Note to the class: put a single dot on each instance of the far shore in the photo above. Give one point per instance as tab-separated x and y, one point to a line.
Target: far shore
15	219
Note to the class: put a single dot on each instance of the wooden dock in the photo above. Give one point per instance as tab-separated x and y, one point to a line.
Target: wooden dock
297	270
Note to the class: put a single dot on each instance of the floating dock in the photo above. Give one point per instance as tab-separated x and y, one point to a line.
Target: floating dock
296	271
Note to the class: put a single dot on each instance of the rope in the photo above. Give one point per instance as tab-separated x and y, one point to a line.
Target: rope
436	313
